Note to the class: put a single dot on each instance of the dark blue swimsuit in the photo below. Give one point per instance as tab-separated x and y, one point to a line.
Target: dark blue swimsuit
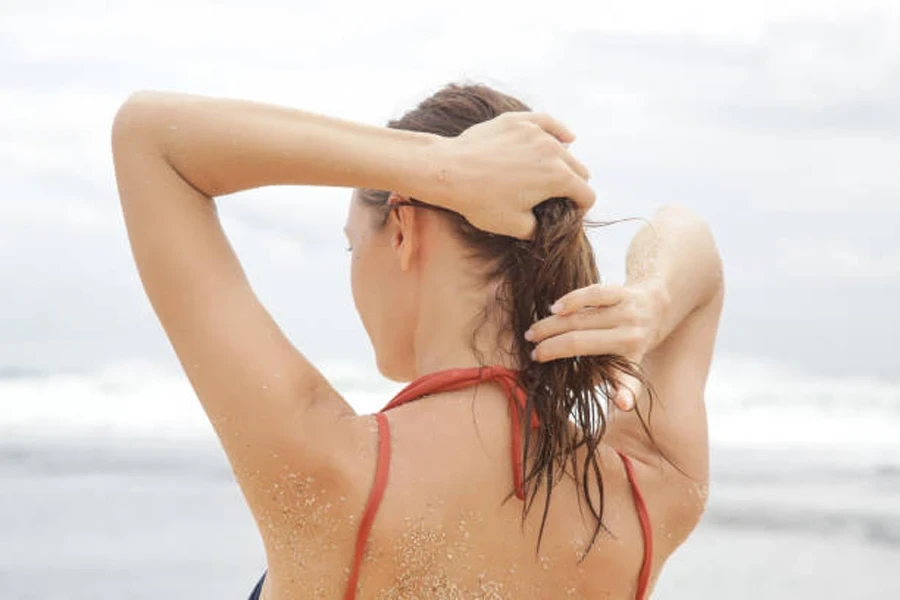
254	595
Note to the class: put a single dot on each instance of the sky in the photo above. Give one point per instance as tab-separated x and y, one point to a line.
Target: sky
776	122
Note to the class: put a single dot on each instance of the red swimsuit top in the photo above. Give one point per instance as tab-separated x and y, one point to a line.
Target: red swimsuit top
454	379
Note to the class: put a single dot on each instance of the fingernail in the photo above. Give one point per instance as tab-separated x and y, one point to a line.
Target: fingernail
622	401
529	335
556	308
534	355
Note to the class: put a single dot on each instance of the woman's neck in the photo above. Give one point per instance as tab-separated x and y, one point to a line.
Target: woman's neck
453	330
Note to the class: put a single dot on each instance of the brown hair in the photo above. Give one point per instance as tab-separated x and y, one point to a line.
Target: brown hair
534	275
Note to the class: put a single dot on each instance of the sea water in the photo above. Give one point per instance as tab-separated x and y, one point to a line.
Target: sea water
112	484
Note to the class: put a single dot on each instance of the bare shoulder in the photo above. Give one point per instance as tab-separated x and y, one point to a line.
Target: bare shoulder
317	490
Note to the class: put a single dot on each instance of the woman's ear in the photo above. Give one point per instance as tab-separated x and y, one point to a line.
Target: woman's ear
405	235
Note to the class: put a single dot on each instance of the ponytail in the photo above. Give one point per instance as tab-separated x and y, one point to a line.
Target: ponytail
566	395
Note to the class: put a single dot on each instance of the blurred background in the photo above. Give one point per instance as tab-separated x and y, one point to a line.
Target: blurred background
776	121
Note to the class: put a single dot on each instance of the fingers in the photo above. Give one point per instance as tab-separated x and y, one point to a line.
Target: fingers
580	342
626	389
582	193
525	226
550	125
592	295
587	318
579	189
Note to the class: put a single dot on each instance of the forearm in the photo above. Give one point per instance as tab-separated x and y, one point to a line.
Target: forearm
676	255
221	146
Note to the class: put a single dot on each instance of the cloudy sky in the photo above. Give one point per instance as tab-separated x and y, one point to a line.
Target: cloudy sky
777	121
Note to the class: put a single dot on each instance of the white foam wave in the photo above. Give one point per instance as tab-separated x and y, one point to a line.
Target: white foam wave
750	404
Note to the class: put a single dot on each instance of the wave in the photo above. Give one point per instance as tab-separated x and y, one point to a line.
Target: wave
871	527
750	404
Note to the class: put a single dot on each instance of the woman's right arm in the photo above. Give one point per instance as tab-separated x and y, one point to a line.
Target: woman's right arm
676	259
664	317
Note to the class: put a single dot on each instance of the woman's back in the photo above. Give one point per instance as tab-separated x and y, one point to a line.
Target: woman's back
442	529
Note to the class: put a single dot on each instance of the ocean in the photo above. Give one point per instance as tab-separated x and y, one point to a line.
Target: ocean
113	485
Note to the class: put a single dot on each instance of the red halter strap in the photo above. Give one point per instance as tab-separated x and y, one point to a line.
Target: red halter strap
455	379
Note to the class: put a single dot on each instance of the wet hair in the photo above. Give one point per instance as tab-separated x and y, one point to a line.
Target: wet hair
533	275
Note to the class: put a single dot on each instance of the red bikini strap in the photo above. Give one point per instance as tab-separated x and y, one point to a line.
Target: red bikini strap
455	379
646	529
375	495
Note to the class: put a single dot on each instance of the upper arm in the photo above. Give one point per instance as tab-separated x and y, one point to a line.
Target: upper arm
272	410
677	369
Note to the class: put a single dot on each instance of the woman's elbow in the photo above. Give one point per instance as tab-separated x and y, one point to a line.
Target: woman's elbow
135	118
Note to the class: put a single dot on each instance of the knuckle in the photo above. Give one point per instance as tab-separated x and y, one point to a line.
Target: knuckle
527	130
546	144
580	320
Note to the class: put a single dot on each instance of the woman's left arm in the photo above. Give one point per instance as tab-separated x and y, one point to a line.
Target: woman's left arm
224	145
173	154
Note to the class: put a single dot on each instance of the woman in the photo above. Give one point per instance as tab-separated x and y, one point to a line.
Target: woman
414	502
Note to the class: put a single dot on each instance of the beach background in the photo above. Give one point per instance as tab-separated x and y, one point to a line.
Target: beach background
777	121
115	486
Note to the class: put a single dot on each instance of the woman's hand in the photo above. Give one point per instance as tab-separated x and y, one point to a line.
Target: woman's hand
604	319
495	172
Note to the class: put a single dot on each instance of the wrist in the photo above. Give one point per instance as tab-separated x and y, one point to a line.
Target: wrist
432	169
660	301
